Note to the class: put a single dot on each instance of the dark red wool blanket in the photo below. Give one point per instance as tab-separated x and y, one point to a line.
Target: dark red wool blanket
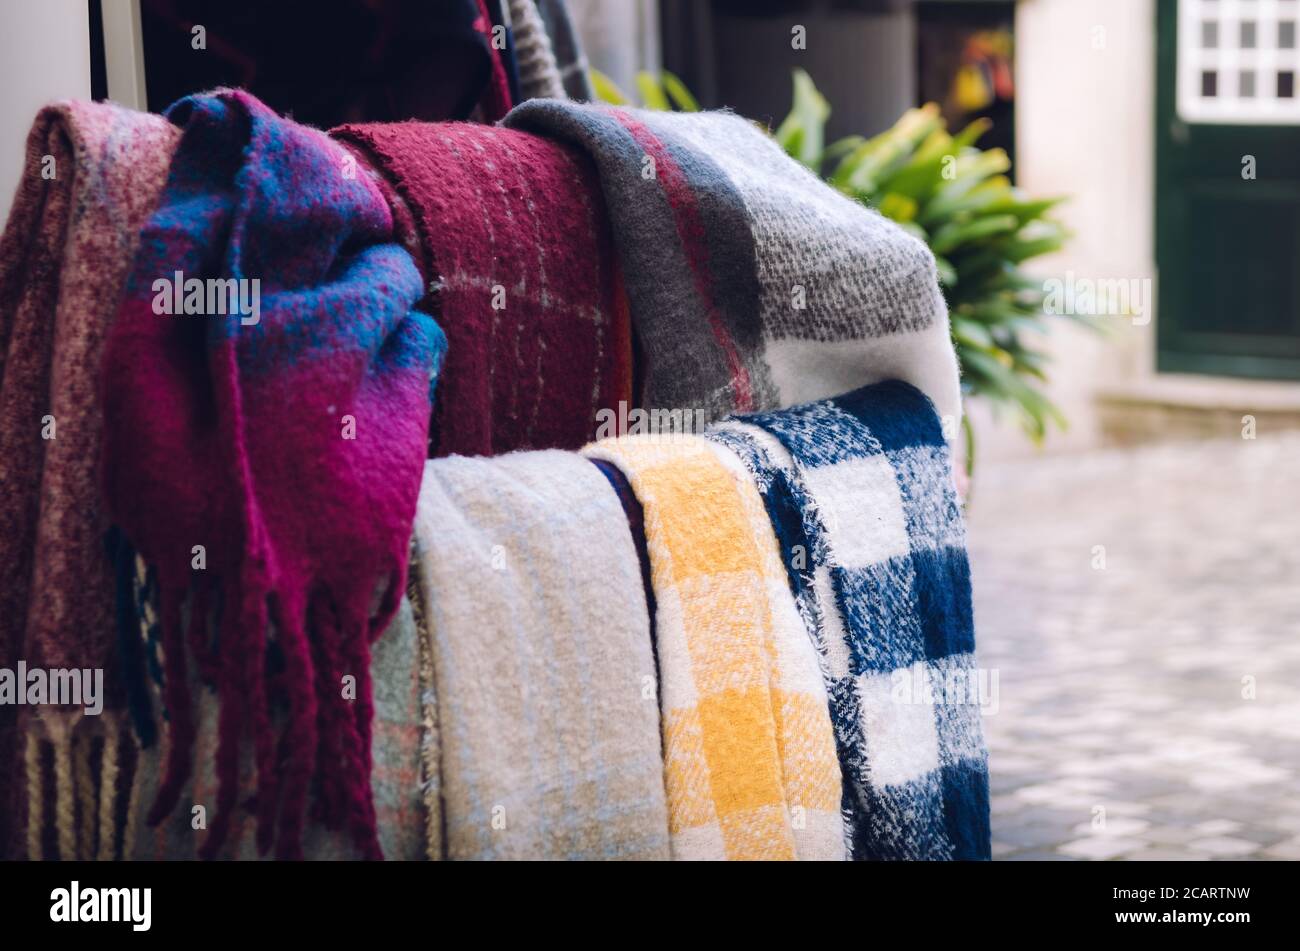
92	175
263	449
515	246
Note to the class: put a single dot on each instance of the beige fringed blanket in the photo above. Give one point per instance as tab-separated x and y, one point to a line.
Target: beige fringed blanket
542	718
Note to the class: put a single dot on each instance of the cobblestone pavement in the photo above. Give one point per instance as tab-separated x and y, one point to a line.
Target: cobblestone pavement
1149	689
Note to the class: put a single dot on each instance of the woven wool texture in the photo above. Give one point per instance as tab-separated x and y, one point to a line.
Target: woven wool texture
499	11
290	449
512	233
567	46
543	738
635	514
539	74
859	492
752	283
92	175
496	100
394	777
749	757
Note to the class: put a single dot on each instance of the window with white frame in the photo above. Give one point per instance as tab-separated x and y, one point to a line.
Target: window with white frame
1239	61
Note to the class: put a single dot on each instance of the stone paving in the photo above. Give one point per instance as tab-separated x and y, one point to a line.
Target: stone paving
1141	609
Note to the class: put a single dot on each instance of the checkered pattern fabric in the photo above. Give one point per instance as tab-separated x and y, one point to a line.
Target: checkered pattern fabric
752	283
859	491
749	756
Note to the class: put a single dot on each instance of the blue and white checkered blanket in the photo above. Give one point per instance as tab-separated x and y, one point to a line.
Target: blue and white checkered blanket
859	491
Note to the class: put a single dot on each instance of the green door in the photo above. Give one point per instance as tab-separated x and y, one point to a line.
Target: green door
1228	187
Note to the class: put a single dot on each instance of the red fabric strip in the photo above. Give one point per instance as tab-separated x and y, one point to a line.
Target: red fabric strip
690	229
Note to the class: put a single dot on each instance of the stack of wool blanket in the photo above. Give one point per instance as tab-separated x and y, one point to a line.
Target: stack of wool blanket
859	491
542	731
511	233
93	173
263	452
752	283
749	757
394	777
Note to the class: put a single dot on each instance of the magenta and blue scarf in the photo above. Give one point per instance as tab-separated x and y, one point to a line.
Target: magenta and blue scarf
267	391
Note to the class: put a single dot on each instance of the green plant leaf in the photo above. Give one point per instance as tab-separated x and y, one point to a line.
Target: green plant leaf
918	179
883	155
1021	250
898	207
841	147
972	333
958	233
678	93
1000	382
912	228
947	273
606	89
652	93
802	133
1025	209
971	134
968	432
970	170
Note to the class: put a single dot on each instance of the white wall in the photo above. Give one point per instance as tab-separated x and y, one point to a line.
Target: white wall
1085	104
44	55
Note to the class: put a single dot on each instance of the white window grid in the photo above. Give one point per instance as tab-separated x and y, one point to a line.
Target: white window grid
1234	101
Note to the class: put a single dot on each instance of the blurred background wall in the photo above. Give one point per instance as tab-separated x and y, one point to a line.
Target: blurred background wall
739	53
1085	91
44	55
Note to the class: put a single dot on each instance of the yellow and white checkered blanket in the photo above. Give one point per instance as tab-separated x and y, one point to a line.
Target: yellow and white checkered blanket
749	756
